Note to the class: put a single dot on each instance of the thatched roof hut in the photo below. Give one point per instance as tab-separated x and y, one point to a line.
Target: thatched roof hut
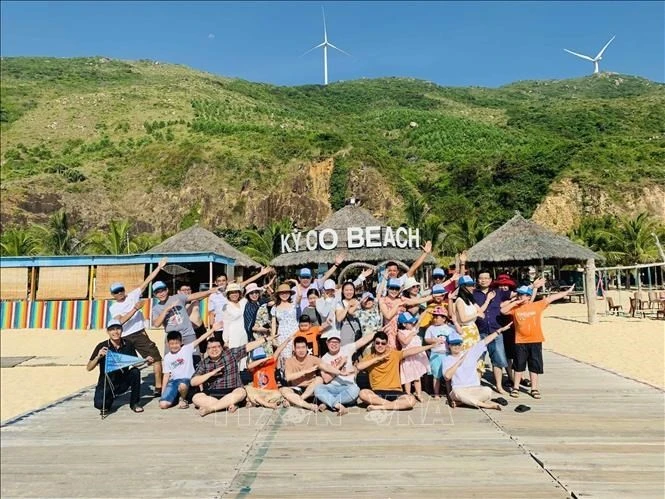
351	215
199	240
521	240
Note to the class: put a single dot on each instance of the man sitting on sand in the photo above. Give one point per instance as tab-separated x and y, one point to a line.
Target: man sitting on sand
219	376
460	369
179	368
301	374
120	380
382	365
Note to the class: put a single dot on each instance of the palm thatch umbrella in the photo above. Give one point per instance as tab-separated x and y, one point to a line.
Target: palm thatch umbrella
351	215
521	240
199	240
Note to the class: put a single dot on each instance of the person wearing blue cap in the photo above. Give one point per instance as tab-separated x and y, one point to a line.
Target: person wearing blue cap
466	312
126	308
306	281
460	370
412	368
438	294
392	271
390	306
527	315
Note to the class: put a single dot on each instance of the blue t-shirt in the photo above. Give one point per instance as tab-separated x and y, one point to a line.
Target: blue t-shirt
490	322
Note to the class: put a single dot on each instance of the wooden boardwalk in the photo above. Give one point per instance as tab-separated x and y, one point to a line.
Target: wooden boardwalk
594	434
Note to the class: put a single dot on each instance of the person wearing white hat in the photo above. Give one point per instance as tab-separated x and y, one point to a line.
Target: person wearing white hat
392	271
127	309
233	313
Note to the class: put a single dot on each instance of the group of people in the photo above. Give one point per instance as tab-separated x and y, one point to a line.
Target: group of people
313	344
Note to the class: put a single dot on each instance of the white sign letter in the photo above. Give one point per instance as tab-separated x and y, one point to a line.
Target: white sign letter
311	240
414	238
389	238
373	237
354	238
285	243
296	240
400	237
332	239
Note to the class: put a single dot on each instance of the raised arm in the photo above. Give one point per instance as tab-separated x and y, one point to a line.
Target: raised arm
508	305
362	342
264	271
333	268
207	334
491	337
201	294
283	345
125	317
450	372
255	344
427	249
558	296
364	364
159	320
153	274
415	350
538	283
416	301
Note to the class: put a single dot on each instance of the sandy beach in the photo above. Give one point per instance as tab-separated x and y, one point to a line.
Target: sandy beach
633	347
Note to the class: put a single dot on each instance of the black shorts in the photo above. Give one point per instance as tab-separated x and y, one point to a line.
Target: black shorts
389	395
509	343
530	354
143	345
218	394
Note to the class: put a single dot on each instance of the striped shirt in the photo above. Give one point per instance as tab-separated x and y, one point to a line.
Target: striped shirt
230	375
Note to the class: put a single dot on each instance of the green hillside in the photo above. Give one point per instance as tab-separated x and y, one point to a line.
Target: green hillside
165	145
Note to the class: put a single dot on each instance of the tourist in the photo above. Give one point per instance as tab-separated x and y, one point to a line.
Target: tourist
437	334
126	308
383	366
347	323
310	332
179	368
233	319
369	316
219	376
391	305
438	294
336	392
325	305
110	386
529	338
310	310
300	373
392	271
170	312
284	320
466	312
413	367
305	281
253	302
264	391
460	369
217	300
194	311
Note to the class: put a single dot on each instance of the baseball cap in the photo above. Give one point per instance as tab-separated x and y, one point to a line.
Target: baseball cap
333	335
438	272
524	290
366	296
305	272
454	338
438	289
394	284
113	323
466	280
158	285
329	285
440	311
117	286
406	318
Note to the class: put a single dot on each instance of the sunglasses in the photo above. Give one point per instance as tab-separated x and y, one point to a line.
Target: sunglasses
120	290
379	343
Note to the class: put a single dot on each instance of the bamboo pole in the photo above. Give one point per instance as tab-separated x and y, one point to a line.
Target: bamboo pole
590	288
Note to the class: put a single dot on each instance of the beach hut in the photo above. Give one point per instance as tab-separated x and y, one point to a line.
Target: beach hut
196	239
372	243
522	241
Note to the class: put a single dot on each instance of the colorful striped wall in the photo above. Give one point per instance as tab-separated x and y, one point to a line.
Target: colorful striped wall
65	314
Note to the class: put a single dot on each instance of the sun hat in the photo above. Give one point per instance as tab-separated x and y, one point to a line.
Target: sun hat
466	280
234	287
251	287
504	280
438	272
406	318
114	323
440	311
283	288
117	286
411	282
394	284
455	339
366	296
158	286
438	289
329	285
305	272
524	290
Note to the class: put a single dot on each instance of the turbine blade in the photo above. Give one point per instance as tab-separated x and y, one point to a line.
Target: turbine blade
579	55
606	45
325	31
314	48
333	47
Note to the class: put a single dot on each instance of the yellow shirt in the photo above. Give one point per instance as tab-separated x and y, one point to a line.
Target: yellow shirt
385	374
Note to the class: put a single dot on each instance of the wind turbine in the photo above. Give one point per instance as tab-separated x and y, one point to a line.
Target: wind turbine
596	59
325	46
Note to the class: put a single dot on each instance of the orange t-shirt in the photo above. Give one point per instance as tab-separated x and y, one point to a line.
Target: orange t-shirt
385	374
527	319
264	375
312	336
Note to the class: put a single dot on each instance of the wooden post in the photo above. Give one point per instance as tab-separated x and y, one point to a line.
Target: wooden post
33	283
210	275
91	282
590	290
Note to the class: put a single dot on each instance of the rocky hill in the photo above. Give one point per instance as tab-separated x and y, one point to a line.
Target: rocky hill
165	146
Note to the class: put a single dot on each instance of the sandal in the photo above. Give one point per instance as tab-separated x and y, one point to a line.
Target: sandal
515	393
501	401
183	405
536	394
136	408
157	393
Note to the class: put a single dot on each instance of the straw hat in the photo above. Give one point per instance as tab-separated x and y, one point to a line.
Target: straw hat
284	287
410	282
233	287
252	286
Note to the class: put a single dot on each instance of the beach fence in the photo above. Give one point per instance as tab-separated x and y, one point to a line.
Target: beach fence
73	292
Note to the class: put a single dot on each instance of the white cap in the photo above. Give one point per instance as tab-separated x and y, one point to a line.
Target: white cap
329	285
332	334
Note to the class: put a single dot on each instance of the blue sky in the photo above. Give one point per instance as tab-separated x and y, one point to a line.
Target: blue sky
450	43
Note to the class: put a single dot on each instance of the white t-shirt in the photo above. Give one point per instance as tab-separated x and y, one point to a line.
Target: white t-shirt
466	374
181	364
137	321
344	351
216	302
434	332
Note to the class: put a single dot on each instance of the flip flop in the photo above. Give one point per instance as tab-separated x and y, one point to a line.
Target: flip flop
501	401
183	405
522	408
525	382
536	394
515	393
136	408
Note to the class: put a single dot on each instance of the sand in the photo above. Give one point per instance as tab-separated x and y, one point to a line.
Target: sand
632	347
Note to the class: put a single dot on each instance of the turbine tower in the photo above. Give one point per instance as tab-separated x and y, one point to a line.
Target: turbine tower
596	59
325	44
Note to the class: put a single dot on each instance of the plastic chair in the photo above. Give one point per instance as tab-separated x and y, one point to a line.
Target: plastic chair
612	306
